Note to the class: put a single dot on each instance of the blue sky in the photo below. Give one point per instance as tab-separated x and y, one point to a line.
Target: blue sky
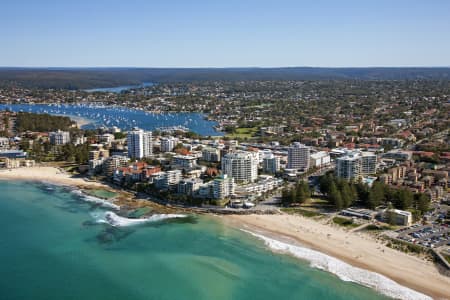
227	33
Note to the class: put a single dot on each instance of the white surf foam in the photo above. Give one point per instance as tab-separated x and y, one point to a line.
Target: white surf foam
92	199
344	271
115	220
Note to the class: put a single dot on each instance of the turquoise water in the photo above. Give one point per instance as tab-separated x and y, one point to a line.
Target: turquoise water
51	248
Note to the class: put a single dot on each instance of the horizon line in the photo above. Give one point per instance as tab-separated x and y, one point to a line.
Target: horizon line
231	67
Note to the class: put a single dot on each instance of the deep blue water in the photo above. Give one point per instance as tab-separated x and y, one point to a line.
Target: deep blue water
123	118
119	89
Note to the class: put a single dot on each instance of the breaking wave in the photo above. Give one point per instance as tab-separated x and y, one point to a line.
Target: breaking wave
92	199
344	271
113	219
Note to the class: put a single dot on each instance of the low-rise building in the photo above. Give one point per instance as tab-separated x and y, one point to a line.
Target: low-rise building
185	161
106	138
400	217
319	159
17	163
137	172
13	154
4	143
400	155
264	185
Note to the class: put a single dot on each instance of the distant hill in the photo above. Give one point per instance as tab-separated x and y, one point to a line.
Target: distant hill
84	78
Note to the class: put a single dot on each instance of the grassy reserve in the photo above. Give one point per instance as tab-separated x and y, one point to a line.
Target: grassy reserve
302	212
243	132
344	222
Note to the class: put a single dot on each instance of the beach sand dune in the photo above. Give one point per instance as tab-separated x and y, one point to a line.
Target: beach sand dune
357	249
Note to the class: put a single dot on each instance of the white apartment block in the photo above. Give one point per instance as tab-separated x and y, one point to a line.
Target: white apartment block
139	143
258	188
112	163
241	165
189	186
211	154
355	164
168	143
298	156
169	179
271	164
106	138
223	187
59	137
185	161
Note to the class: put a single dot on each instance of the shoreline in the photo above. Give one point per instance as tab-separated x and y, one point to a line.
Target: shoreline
356	249
53	175
80	121
48	174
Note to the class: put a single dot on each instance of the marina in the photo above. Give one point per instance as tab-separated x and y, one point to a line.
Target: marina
124	118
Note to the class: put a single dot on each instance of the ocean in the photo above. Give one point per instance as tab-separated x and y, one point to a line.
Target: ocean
56	245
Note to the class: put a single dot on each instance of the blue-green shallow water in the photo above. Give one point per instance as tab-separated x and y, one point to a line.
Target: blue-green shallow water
50	249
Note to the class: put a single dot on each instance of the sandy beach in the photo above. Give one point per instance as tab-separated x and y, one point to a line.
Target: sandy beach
357	249
47	174
80	121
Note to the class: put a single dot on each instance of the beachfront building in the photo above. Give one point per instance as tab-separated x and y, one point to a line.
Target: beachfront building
168	180
400	217
16	163
168	143
223	187
59	137
263	185
189	186
114	162
355	164
139	143
95	165
136	172
241	165
298	156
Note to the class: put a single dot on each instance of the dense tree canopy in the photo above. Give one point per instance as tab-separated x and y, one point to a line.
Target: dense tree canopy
341	194
42	122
